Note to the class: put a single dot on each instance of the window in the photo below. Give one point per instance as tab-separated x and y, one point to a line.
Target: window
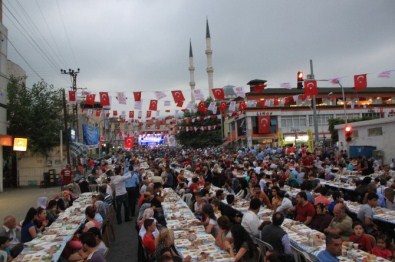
375	131
322	120
293	121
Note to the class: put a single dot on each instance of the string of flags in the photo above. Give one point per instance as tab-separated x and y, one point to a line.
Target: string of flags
310	89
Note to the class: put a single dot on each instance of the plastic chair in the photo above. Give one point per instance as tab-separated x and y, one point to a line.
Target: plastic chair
301	255
4	255
263	247
187	198
240	195
372	239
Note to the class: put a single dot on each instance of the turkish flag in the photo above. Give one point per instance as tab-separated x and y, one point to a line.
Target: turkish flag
72	97
258	88
148	114
218	93
90	99
242	105
153	105
137	96
202	107
114	113
104	99
263	124
129	141
98	112
178	96
310	88
131	114
107	114
360	82
222	107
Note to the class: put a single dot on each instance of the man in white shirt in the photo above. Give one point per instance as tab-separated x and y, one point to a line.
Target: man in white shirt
121	195
13	232
286	203
250	220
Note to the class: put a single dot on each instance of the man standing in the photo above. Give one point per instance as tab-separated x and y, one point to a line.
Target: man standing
341	223
250	220
131	185
12	232
66	175
333	249
121	195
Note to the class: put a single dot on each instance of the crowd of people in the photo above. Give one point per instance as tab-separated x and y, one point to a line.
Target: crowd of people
126	184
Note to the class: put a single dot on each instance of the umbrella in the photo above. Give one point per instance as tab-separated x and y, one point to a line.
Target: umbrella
78	149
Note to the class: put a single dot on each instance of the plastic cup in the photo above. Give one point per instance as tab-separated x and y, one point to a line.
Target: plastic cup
355	246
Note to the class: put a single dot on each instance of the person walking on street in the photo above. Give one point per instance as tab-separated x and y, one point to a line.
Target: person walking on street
121	195
132	189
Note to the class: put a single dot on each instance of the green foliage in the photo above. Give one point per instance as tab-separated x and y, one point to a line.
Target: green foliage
35	113
339	121
200	138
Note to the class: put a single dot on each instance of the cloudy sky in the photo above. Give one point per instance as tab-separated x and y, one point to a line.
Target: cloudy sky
130	45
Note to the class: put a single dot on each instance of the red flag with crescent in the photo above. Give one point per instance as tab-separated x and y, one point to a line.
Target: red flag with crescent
242	106
178	96
202	107
129	141
98	112
90	100
131	114
72	99
137	96
218	93
310	88
360	82
148	114
153	105
222	107
263	124
104	99
115	113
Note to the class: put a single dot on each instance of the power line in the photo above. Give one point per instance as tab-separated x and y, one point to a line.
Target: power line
67	35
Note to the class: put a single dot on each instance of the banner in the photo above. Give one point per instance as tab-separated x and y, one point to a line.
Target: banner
90	134
263	124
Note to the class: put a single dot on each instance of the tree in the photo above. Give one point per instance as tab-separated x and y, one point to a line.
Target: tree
199	138
35	113
338	121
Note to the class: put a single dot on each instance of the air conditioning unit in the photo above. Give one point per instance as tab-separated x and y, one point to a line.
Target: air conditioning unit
378	154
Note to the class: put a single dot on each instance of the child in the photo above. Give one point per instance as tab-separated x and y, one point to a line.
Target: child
382	247
359	237
5	246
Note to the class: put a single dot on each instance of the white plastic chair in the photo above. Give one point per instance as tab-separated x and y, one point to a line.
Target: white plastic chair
187	199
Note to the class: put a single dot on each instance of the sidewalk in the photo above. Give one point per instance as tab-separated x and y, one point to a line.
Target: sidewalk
18	201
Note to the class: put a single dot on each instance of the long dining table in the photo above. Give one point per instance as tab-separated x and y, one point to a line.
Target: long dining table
50	245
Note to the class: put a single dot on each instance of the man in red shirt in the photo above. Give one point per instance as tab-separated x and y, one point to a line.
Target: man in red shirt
304	210
149	239
66	175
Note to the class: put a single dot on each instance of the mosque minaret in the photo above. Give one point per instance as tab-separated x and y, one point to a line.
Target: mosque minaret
191	72
209	53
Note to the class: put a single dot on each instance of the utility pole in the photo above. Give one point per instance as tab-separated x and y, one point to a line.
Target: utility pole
65	127
315	120
73	74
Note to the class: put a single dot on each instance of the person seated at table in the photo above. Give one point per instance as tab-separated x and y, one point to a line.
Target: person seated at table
82	254
41	220
5	247
12	231
148	238
322	218
388	199
223	234
366	212
194	186
322	198
333	249
220	195
383	247
90	213
285	203
275	192
158	212
371	188
230	199
337	198
304	210
210	221
314	182
29	230
251	219
257	193
306	187
165	240
276	236
52	211
359	237
166	255
341	223
241	248
89	244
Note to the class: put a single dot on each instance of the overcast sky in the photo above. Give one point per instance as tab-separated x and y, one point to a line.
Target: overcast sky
130	45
